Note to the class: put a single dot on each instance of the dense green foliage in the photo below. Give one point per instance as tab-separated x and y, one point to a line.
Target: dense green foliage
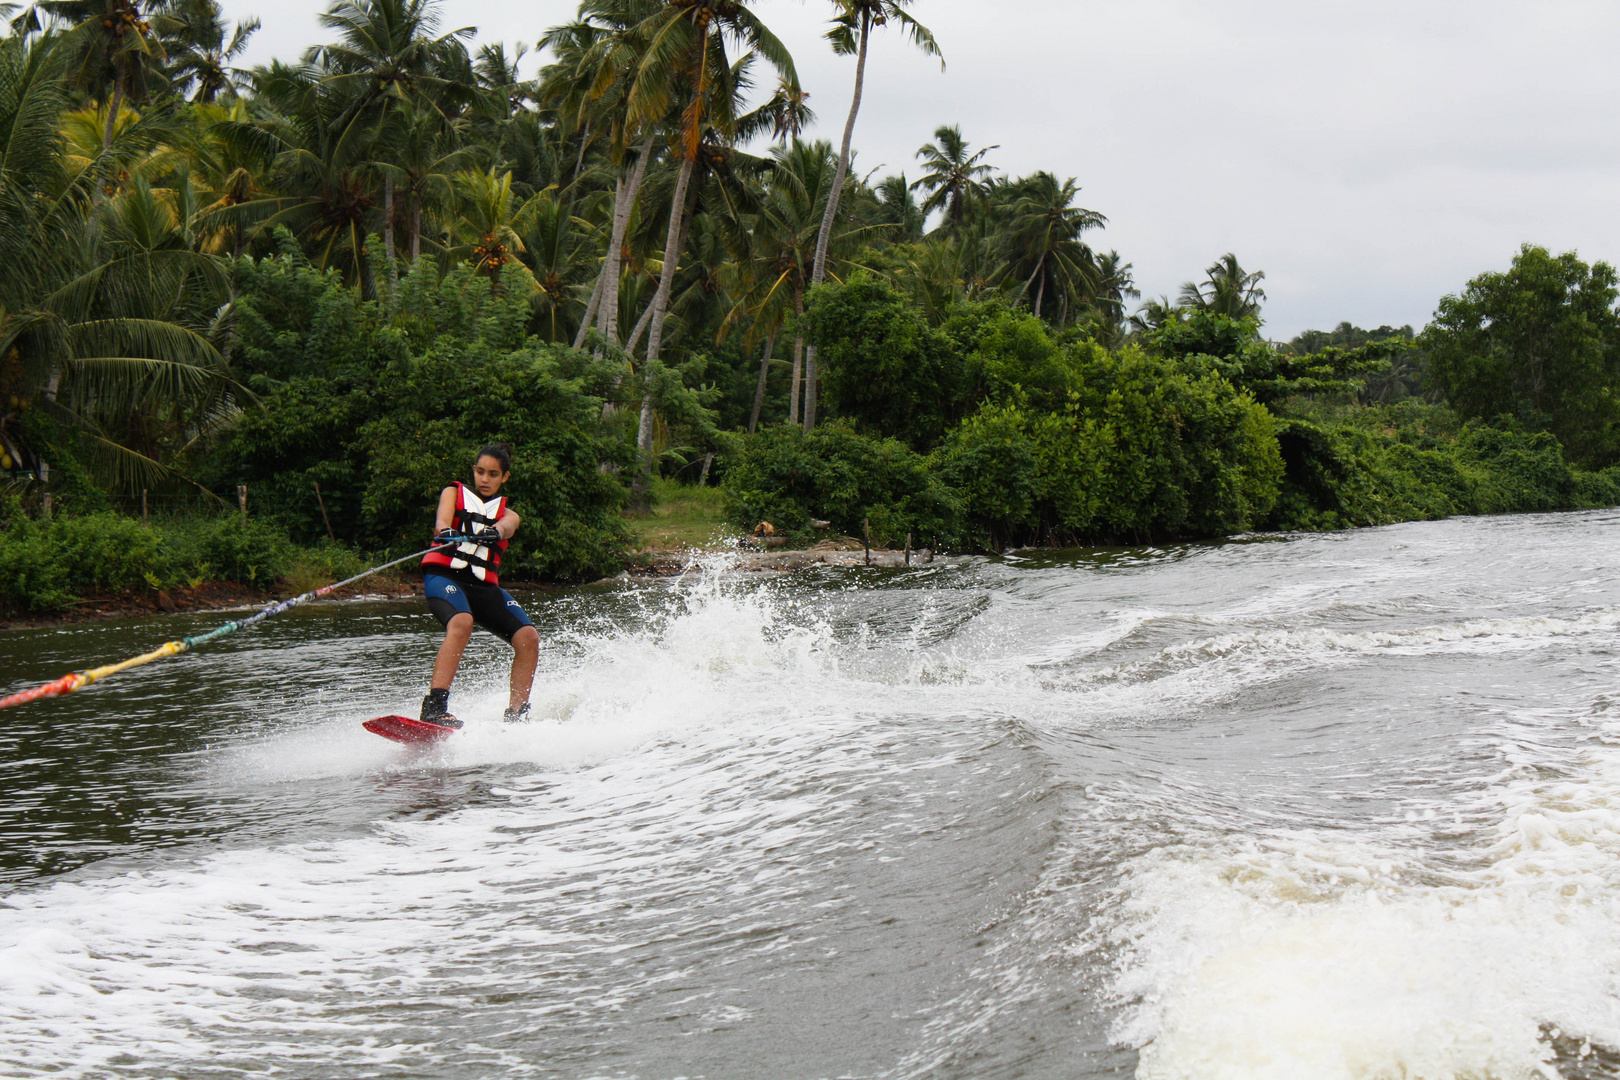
381	410
1411	462
1540	344
790	478
45	565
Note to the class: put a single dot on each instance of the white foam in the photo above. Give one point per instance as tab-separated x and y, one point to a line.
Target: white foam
1311	956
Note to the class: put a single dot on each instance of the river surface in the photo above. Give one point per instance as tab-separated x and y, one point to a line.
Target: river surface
1341	806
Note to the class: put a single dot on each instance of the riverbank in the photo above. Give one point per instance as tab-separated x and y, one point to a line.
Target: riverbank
647	562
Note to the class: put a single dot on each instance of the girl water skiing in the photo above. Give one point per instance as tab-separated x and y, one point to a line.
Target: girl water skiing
463	584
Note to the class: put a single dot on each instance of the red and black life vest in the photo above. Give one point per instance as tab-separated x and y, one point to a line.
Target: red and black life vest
472	514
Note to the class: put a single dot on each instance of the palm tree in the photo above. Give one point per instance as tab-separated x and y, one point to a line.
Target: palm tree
556	249
782	248
421	152
386	49
1228	290
487	228
898	211
1115	284
685	57
114	48
955	179
850	33
387	54
1043	230
200	54
231	161
683	61
319	185
1153	315
94	317
788	110
851	30
598	56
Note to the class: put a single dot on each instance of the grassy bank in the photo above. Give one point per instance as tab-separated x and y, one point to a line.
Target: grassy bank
682	517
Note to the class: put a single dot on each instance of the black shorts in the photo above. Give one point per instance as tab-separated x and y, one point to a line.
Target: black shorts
491	606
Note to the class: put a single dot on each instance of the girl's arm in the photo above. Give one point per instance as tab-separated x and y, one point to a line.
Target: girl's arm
507	524
446	516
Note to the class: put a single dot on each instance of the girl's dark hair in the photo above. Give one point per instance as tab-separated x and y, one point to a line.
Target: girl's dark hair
500	452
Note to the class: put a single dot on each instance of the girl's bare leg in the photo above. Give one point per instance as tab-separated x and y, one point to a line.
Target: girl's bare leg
456	634
525	655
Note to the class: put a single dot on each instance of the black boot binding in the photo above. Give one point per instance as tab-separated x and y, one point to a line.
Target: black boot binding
436	709
519	715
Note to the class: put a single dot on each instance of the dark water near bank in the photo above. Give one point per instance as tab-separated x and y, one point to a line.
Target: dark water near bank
1338	806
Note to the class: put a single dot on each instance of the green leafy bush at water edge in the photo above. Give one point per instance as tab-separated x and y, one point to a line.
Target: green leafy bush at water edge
1340	475
44	565
787	478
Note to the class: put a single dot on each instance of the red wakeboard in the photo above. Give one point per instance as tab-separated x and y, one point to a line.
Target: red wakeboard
403	729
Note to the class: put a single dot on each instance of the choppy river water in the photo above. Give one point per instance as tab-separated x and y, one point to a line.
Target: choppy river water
1340	806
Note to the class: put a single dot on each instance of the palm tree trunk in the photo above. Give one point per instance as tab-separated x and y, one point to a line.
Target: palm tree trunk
590	310
416	226
1040	296
759	388
798	354
818	271
609	318
809	389
641	328
675	236
680	245
579	162
672	257
388	241
388	218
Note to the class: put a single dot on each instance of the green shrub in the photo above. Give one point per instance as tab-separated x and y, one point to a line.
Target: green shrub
1148	449
32	577
1373	467
110	552
788	478
250	552
1176	451
881	365
43	565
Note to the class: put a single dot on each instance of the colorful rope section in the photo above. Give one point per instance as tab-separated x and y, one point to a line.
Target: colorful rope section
78	680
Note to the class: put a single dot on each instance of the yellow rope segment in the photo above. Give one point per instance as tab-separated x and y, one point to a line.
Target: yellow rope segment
167	649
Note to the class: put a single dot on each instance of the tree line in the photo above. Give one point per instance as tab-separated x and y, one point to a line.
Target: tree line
647	191
350	268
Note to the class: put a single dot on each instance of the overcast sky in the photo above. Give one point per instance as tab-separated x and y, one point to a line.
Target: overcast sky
1368	157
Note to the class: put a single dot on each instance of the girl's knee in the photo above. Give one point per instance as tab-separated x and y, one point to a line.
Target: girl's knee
527	638
460	625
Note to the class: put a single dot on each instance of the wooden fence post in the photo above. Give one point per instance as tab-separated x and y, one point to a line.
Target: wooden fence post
908	547
322	504
241	501
45	506
866	533
143	506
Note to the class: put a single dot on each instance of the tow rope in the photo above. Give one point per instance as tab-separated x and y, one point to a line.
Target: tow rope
78	680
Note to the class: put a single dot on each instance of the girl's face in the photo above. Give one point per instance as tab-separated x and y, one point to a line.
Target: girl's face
488	476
